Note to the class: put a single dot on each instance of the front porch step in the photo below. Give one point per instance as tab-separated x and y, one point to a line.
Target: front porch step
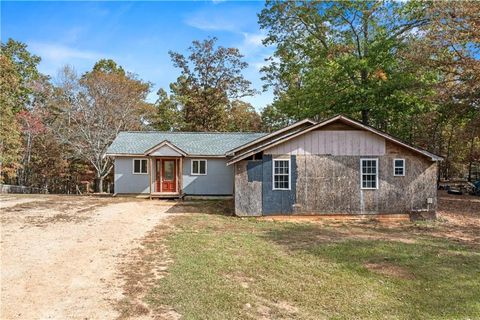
166	195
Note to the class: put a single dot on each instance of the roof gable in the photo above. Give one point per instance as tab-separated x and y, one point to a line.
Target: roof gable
297	126
165	148
327	124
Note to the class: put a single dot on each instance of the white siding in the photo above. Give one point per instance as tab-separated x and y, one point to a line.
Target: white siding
334	142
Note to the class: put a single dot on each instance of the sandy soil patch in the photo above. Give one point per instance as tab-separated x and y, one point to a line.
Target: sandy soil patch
60	254
389	270
459	217
7	201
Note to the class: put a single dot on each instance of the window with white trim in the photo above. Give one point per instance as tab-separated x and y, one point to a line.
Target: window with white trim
140	166
199	167
399	167
281	174
369	173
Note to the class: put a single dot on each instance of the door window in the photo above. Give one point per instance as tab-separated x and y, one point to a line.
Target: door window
169	169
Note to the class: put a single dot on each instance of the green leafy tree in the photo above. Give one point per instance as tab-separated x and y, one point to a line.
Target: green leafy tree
24	65
274	119
10	142
168	117
108	66
344	57
210	77
242	117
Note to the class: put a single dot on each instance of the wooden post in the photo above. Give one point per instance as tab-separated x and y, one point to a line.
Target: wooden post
150	177
180	176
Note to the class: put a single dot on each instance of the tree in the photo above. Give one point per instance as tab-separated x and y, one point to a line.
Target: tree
18	85
108	66
24	65
95	108
209	78
242	117
274	119
32	125
344	57
10	144
168	117
409	68
449	44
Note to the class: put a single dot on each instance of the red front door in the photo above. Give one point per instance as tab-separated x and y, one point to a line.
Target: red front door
169	175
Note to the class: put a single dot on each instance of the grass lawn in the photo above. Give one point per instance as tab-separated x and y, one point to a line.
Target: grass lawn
229	268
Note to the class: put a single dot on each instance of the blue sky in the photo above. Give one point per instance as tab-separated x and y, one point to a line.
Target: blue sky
138	35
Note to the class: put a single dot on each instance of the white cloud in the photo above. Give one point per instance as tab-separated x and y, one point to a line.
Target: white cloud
58	52
210	23
252	46
73	34
253	39
222	18
55	56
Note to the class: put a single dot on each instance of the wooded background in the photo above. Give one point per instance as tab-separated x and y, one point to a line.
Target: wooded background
411	69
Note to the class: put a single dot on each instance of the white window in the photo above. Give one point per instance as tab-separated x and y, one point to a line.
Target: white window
140	166
369	173
281	174
199	167
399	167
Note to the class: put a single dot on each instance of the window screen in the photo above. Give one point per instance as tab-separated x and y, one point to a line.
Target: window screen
281	174
369	170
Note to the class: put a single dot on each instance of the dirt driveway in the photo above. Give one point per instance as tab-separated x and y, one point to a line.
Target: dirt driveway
60	254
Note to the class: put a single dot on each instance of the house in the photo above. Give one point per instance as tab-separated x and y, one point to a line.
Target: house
174	164
336	166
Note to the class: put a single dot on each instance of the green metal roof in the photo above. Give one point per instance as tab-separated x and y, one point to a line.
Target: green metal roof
193	143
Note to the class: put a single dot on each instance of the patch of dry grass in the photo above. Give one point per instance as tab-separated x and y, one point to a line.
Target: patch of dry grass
140	270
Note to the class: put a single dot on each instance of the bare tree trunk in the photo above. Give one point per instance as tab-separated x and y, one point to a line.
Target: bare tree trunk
365	116
447	158
99	184
364	72
470	158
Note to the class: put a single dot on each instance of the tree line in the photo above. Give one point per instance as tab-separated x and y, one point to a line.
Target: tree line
55	131
408	68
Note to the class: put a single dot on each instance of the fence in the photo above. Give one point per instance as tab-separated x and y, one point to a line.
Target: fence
9	188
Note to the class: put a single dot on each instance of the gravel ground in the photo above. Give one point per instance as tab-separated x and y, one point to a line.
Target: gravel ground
60	254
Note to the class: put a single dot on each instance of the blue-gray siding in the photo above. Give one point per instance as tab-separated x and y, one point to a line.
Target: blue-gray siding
125	180
255	170
218	181
278	201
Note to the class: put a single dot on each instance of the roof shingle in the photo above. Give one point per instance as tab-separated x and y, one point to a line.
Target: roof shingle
193	143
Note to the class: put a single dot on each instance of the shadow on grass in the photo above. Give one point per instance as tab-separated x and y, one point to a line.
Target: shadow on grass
214	207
